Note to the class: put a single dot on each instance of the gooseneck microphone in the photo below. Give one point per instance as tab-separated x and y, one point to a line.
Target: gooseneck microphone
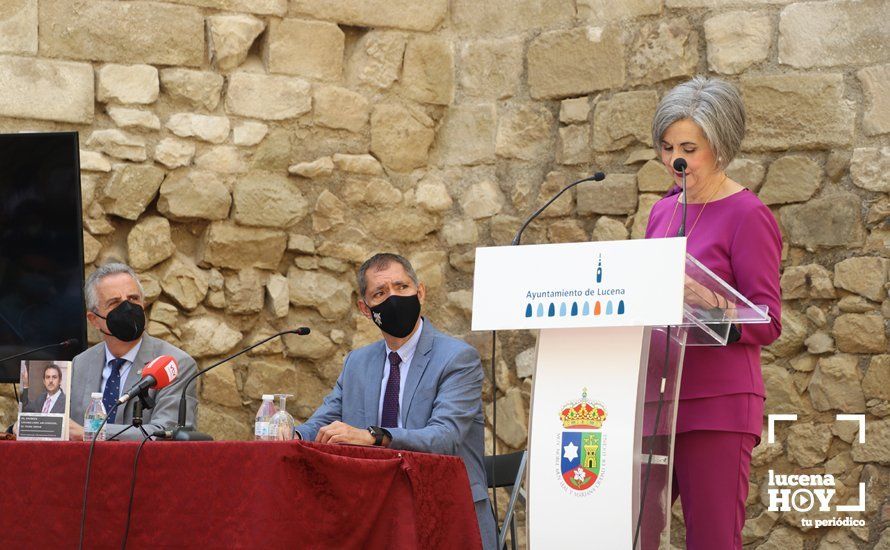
71	342
680	166
187	433
599	176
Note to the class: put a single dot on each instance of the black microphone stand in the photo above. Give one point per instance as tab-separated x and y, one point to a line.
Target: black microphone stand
183	432
143	402
598	176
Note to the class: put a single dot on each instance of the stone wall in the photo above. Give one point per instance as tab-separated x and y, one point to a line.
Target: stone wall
246	155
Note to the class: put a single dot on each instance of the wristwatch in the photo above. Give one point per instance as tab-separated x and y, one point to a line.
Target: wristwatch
377	432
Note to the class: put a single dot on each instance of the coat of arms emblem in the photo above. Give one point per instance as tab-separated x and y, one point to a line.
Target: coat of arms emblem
581	449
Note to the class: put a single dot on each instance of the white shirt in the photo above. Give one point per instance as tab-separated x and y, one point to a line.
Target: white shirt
406	352
52	400
129	357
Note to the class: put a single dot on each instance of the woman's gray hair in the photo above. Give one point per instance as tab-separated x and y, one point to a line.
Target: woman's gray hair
113	268
714	105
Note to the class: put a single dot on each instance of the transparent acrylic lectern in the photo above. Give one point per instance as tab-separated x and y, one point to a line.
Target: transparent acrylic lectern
613	321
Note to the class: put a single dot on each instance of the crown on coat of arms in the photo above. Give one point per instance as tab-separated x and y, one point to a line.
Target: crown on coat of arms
583	413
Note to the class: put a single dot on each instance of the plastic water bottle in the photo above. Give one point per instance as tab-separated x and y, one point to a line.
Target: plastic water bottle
267	410
94	417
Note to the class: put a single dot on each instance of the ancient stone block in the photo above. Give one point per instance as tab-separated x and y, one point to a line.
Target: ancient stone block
860	333
340	108
201	89
318	168
118	144
268	200
457	232
248	134
876	119
224	159
794	332
863	275
816	34
206	336
330	296
401	136
482	200
574	110
428	72
808	444
491	69
134	118
173	153
267	97
230	38
504	17
617	194
869	168
565	63
625	118
432	195
131	188
747	172
402	224
149	243
214	129
598	11
794	178
18	26
122	32
640	219
781	395
46	90
313	49
184	282
416	15
653	176
260	7
467	135
358	164
824	222
608	229
329	212
376	59
524	132
573	146
661	50
875	449
553	183
835	385
370	191
876	383
228	245
737	39
800	111
244	292
195	194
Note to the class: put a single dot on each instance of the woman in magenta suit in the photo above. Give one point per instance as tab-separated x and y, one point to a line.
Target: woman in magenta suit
720	413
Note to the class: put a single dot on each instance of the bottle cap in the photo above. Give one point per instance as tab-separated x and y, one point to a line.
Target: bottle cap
266	397
96	395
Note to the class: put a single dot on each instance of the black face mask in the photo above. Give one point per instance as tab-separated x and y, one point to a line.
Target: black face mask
397	315
125	322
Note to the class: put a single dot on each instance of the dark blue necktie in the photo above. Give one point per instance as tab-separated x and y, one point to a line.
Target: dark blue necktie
390	416
112	388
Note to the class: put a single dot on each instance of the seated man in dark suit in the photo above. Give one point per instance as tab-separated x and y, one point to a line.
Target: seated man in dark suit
416	389
50	401
115	302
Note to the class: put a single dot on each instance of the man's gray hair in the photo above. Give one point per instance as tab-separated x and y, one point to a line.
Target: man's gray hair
380	261
113	268
714	105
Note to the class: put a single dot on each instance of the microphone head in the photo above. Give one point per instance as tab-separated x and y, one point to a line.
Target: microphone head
680	165
70	343
599	176
302	331
165	369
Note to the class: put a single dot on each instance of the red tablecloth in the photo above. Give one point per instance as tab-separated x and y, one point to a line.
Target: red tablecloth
234	494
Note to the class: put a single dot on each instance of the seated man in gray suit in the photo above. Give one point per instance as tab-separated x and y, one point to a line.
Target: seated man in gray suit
416	389
115	302
50	401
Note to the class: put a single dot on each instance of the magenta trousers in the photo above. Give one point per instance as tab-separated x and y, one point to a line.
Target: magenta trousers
711	470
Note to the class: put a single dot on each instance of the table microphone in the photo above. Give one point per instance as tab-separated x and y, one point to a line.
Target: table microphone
159	373
599	176
187	433
680	166
71	342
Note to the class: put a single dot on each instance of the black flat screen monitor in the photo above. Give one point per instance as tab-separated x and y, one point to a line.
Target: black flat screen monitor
41	248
